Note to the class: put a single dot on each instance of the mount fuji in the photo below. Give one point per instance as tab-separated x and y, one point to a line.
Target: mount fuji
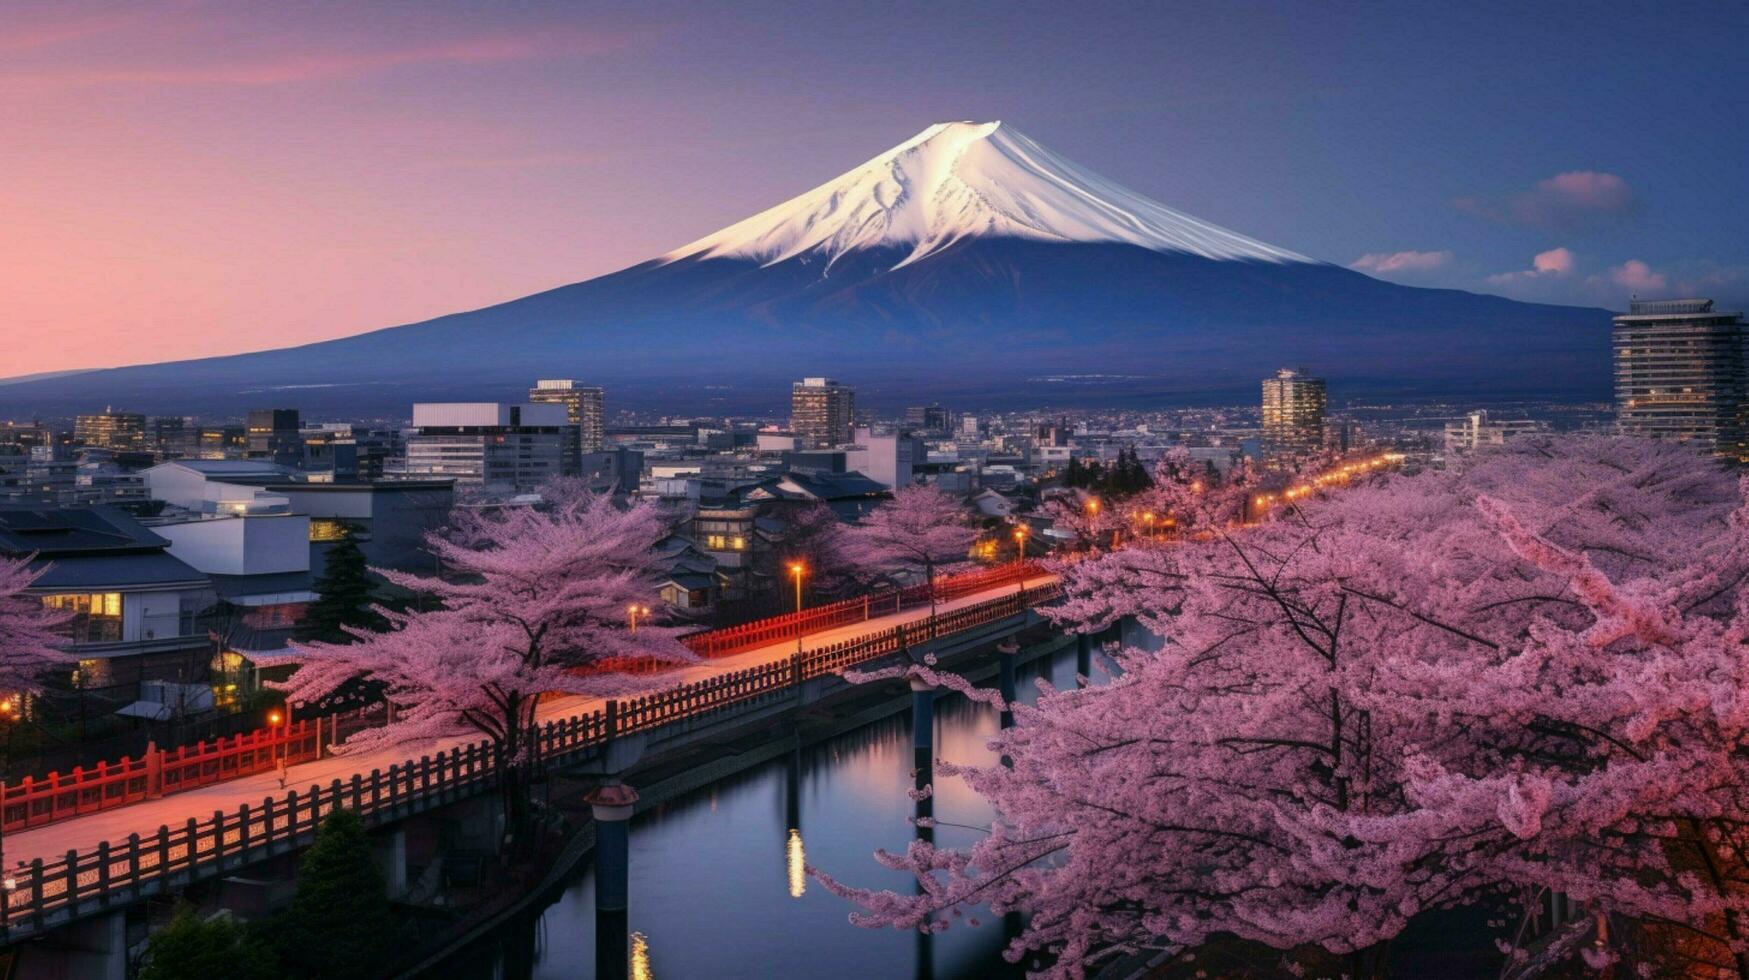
968	264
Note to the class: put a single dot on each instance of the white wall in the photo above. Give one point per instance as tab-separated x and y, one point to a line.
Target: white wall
257	545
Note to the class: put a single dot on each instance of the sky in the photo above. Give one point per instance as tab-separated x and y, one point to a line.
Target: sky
191	179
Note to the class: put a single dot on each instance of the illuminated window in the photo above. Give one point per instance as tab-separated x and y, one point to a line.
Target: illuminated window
96	615
328	529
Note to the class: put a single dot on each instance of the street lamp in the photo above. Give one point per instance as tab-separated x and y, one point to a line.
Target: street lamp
1148	522
633	611
796	571
1020	555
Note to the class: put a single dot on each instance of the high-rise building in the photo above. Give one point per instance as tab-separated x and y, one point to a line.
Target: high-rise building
928	418
1680	373
822	411
276	436
584	406
173	435
111	429
487	444
1293	414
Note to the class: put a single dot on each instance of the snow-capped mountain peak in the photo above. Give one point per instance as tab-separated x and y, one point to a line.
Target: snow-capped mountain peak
968	179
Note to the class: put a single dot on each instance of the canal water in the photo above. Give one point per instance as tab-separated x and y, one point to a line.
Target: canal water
717	888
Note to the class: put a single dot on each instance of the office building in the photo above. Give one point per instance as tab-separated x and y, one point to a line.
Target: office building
222	442
110	429
585	407
822	411
1293	414
889	459
1679	374
275	436
487	444
928	418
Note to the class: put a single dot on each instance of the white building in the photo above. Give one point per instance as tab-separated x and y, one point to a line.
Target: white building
487	444
886	459
1477	431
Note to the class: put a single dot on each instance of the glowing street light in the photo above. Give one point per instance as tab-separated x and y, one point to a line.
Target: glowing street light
796	571
633	611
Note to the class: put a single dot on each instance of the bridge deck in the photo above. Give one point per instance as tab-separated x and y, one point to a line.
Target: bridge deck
145	817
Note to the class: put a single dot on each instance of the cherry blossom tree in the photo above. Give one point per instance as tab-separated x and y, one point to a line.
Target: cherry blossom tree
916	531
1409	696
534	603
1189	497
30	643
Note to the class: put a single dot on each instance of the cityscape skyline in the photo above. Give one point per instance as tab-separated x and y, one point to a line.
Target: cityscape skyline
197	129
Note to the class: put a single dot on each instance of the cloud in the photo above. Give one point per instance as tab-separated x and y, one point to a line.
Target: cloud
1637	276
1578	200
1556	263
1385	263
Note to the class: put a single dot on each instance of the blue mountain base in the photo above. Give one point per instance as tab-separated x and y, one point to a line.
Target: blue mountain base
986	323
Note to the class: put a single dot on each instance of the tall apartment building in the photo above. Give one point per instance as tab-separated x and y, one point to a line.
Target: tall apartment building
584	406
1680	374
822	411
275	435
110	429
487	444
1293	414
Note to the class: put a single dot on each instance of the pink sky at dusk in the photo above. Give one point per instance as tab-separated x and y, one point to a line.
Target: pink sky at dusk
181	182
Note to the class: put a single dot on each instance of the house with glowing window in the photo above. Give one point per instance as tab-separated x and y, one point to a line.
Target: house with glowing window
136	610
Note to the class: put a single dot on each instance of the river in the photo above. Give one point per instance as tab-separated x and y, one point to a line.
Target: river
717	888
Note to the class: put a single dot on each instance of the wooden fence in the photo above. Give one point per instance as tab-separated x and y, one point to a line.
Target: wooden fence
42	894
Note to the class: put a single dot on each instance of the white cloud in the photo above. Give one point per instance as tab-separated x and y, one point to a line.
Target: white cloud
1556	263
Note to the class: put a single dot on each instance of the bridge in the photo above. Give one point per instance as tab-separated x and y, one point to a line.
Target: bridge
156	827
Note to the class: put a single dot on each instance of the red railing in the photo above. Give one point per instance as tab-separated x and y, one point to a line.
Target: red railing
57	796
230	839
748	636
62	796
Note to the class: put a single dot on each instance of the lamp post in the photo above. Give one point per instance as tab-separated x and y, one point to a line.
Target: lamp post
633	611
275	719
1020	555
796	571
1148	522
1092	507
8	717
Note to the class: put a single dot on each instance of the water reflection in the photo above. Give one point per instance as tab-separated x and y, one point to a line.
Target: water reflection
716	883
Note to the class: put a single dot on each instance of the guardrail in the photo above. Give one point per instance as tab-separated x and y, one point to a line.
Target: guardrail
159	772
46	893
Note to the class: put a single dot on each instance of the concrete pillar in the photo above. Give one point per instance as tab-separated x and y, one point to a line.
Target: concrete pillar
391	855
923	749
90	949
612	804
1083	658
1006	654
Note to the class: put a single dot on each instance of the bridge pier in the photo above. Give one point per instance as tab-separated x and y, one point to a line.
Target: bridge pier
1083	658
923	750
611	804
1007	652
390	848
90	949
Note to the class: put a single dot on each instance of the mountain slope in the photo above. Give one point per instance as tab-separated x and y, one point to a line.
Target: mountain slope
967	263
969	180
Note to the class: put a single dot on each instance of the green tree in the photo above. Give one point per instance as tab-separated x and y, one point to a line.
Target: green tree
345	595
191	948
338	925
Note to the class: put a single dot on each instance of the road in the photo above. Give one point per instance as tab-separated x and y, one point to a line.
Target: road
145	817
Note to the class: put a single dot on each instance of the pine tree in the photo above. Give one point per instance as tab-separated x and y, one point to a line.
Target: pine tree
338	925
345	597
